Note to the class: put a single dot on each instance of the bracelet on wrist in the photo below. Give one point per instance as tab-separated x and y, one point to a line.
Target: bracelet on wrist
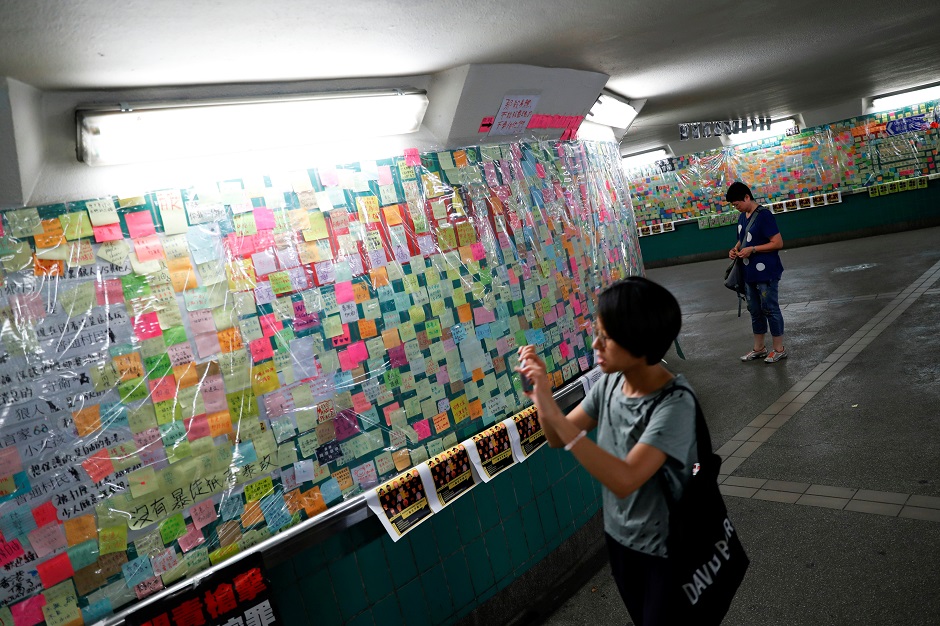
577	438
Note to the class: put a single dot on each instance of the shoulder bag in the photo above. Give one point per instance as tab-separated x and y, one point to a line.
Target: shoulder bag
706	557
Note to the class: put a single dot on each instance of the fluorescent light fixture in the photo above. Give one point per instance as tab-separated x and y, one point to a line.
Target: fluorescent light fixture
612	110
132	133
639	159
904	98
596	132
777	127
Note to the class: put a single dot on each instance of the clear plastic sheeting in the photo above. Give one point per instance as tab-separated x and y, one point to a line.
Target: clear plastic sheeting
840	157
189	371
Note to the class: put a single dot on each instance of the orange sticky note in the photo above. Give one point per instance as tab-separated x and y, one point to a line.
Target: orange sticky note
80	529
48	267
129	366
476	408
367	329
220	423
313	502
379	277
465	313
87	420
230	339
185	375
392	215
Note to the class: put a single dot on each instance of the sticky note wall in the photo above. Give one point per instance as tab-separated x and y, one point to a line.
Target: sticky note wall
847	155
189	371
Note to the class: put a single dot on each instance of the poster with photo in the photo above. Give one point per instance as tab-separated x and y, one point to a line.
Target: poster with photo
490	451
400	504
525	433
447	476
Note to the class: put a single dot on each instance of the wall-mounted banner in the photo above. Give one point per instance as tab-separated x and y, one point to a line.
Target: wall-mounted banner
513	115
400	504
703	130
490	451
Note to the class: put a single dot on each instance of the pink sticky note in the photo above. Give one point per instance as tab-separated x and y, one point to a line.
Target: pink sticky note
481	315
347	425
45	513
203	513
10	462
109	291
55	570
149	248
29	612
565	349
346	361
261	349
146	326
422	428
47	539
213	394
412	157
201	321
264	218
361	403
344	292
99	465
139	224
540	170
270	323
108	232
162	389
360	351
329	177
9	551
385	175
207	344
197	427
275	404
164	561
477	250
191	539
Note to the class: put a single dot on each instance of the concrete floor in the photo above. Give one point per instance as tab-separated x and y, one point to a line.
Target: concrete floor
831	456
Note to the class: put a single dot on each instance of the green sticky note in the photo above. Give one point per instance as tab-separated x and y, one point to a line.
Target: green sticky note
24	223
135	286
133	390
433	329
104	376
76	225
158	366
174	335
332	326
308	444
280	282
172	528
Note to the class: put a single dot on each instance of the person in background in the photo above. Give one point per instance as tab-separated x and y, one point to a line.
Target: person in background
646	436
759	241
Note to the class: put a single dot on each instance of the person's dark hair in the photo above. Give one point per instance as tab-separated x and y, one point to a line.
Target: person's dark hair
641	316
738	191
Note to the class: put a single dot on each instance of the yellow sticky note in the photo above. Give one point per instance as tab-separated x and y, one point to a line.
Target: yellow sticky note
317	226
264	378
112	539
257	490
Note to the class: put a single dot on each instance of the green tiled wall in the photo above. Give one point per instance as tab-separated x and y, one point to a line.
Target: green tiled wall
855	212
449	565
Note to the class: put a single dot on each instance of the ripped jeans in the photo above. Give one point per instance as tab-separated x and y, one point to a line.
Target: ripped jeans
764	308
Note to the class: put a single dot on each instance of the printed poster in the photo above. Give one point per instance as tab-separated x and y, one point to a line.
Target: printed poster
490	451
525	433
400	504
448	475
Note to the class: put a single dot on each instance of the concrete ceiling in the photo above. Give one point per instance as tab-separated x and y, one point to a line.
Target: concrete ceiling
692	61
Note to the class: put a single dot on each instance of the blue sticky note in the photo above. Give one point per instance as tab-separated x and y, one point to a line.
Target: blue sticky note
275	511
484	331
137	571
244	454
113	414
230	508
18	522
20	486
94	612
83	554
330	490
203	243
